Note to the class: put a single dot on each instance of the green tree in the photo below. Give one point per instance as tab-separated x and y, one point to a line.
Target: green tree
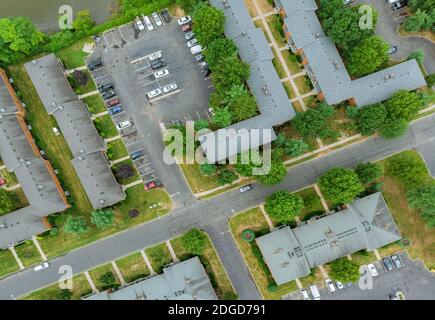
7	203
83	23
231	71
188	5
219	50
370	119
207	169
226	177
369	172
344	270
368	56
208	24
284	206
403	104
394	128
310	123
296	148
418	56
245	169
241	103
194	241
277	173
18	38
222	117
75	225
102	218
340	185
421	20
409	169
430	79
423	199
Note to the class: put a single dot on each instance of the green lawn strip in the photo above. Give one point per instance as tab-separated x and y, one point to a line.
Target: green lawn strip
302	84
80	289
82	89
19	198
363	257
159	257
106	127
313	205
409	221
98	272
273	22
315	277
116	150
292	62
197	181
28	253
129	180
278	66
226	189
73	56
289	89
311	101
10	177
253	219
54	146
95	104
133	267
212	265
8	264
137	200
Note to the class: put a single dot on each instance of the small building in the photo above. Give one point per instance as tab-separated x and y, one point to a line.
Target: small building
185	280
366	224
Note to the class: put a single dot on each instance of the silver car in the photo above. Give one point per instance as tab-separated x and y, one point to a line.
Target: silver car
157	19
170	87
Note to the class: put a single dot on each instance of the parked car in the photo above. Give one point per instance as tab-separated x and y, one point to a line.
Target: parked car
196	49
192	42
137	154
152	185
157	19
123	125
41	266
397	261
372	270
139	24
105	87
211	111
186	27
348	2
206	72
170	87
304	294
154	93
166	16
388	263
330	285
189	35
155	56
184	20
246	188
340	286
112	103
203	65
148	22
199	57
108	95
115	110
315	292
392	50
398	5
161	73
95	64
158	64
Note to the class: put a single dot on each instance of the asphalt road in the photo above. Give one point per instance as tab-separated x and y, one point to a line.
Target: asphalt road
213	215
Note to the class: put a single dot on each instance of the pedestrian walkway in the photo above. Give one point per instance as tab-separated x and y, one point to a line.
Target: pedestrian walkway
299	283
112	139
147	262
35	241
118	273
92	93
171	250
14	187
322	200
14	253
266	216
91	282
377	254
323	271
68	72
98	115
131	185
112	163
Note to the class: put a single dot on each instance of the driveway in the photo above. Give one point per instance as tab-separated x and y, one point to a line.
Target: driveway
388	23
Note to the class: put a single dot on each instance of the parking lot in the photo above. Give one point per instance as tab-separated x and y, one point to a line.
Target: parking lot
413	280
181	91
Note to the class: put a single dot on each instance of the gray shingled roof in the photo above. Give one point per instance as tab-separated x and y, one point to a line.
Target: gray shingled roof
78	130
273	103
186	280
328	67
366	224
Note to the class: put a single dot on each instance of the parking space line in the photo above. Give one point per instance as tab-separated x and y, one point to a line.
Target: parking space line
164	96
151	180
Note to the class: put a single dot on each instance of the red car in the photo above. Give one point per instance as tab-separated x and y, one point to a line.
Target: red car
152	185
113	102
186	27
2	182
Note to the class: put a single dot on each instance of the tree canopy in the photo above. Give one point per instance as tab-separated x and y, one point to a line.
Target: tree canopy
194	241
83	22
219	50
75	225
408	168
226	177
423	199
283	205
370	119
403	104
222	117
231	71
344	270
340	185
208	169
241	103
277	173
369	172
312	123
103	218
208	24
368	56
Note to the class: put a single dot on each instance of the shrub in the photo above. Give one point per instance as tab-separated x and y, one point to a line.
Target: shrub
248	235
226	177
207	169
344	270
408	168
64	294
369	172
340	185
284	205
194	241
75	225
103	218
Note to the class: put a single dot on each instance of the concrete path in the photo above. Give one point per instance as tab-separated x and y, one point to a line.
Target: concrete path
377	254
92	93
76	69
91	282
323	272
35	241
14	187
112	139
147	262
14	253
266	216
131	185
112	163
98	115
118	273
171	251
322	200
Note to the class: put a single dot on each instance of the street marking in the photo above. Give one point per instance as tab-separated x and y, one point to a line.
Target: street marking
173	195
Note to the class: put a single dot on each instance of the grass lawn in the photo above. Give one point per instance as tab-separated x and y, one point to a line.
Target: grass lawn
315	277
28	253
98	272
265	6
292	63
8	264
297	106
95	104
278	66
313	205
311	101
80	288
253	219
302	84
198	182
341	122
289	89
251	8
105	126
133	267
82	89
129	180
20	200
116	150
274	21
212	265
159	257
10	177
409	221
72	57
363	257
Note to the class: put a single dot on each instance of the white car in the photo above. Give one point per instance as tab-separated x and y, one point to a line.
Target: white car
305	295
157	19
148	23
154	93
246	188
340	285
184	20
372	270
155	56
330	285
315	292
192	42
211	111
123	125
41	266
196	49
170	87
139	24
161	73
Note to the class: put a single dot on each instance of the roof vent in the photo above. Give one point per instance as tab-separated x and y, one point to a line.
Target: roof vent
34	62
336	65
266	90
80	158
244	33
317	34
102	201
279	250
285	264
225	3
188	280
334	243
40	187
329	233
